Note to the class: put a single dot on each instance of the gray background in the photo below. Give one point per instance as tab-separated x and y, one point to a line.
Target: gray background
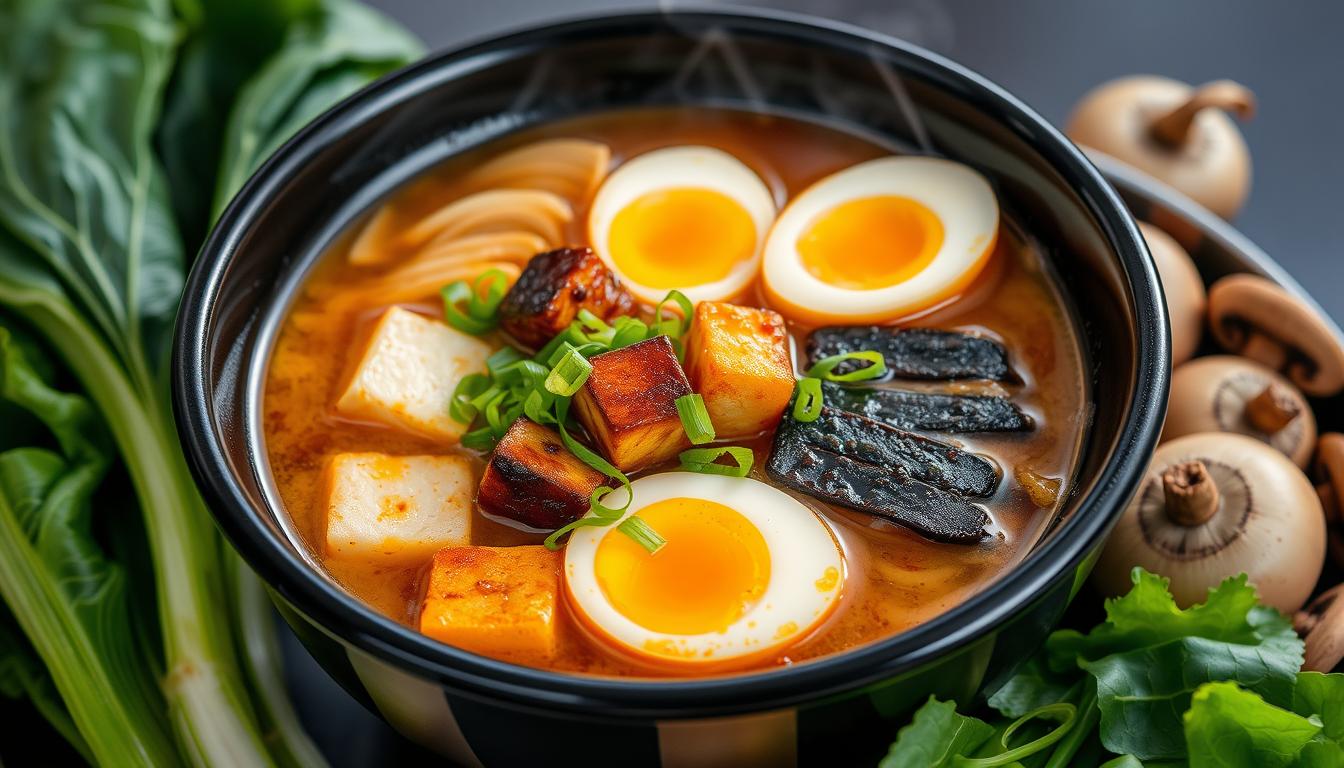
1048	52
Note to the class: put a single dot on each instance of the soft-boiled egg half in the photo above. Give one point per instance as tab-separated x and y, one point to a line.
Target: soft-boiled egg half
747	570
880	240
691	218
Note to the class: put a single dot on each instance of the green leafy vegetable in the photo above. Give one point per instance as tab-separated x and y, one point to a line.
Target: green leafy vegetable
1149	657
91	259
327	54
68	597
1228	726
936	737
1155	685
23	676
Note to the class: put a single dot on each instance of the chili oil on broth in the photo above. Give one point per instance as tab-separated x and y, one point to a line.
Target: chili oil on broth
896	579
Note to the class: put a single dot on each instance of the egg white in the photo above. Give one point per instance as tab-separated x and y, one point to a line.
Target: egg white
958	196
801	548
695	167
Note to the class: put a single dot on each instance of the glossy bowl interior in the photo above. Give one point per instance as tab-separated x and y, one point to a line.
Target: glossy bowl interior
339	166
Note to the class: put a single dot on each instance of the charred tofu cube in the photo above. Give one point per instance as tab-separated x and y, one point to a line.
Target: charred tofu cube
629	404
407	373
737	358
533	479
496	600
553	288
396	509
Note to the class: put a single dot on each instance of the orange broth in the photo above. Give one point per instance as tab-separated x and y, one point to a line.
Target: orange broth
896	578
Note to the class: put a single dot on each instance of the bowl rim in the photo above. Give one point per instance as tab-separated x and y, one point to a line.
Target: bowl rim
336	612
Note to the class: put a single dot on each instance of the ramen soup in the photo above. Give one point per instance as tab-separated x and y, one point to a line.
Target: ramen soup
676	393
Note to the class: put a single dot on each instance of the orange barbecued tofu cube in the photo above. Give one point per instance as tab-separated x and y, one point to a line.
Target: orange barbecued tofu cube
629	404
534	479
737	358
496	600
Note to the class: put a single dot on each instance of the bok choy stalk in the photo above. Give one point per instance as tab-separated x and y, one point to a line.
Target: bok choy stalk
95	265
91	259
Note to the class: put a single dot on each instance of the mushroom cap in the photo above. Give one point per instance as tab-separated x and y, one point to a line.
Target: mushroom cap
1321	625
1328	472
1210	394
1213	165
1183	288
1243	306
1268	524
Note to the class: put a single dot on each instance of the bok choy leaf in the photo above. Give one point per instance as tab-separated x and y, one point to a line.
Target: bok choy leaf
63	590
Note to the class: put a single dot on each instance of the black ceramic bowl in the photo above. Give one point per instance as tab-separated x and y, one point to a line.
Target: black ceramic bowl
477	710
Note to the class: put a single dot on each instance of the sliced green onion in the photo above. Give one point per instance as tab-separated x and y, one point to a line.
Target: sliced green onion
481	301
521	372
568	373
674	326
643	534
571	335
823	368
484	397
503	358
628	330
482	439
705	460
538	406
487	293
601	513
695	419
808	401
459	405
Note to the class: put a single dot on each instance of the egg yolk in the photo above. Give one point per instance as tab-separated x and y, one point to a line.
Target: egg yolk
680	237
871	242
714	566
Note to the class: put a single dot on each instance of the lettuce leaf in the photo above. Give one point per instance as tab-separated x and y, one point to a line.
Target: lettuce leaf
936	737
1228	727
1150	656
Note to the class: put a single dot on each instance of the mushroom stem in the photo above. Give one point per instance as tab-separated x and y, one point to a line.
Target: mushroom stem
1190	493
1272	409
1172	128
1265	350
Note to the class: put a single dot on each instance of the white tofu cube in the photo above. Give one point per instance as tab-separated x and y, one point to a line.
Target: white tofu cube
397	508
408	372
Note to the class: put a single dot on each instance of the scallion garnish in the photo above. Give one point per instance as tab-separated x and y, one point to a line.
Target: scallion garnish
471	307
673	326
601	514
542	386
627	331
705	460
825	367
471	385
807	402
502	358
568	373
695	419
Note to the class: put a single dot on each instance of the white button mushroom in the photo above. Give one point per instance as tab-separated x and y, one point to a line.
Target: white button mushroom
1175	133
1214	505
1256	318
1183	288
1225	393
